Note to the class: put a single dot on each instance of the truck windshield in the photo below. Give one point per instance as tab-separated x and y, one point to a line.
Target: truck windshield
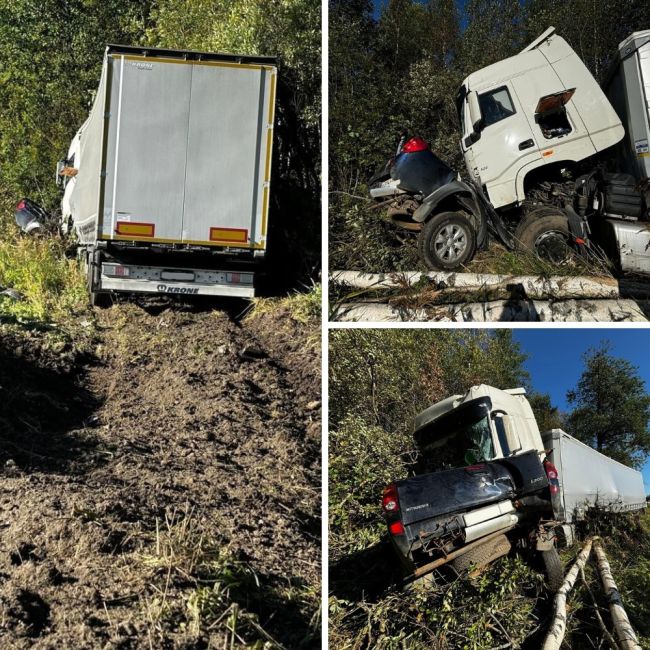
460	438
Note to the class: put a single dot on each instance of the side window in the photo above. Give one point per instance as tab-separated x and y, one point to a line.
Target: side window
496	106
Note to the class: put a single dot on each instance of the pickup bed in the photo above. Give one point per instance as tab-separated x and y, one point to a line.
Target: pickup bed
432	517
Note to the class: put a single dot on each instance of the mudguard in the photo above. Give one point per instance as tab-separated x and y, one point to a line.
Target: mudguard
455	187
466	196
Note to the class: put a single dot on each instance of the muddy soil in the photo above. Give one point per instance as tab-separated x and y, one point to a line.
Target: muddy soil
162	490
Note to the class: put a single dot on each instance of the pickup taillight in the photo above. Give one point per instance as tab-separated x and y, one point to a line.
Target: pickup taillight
396	528
389	500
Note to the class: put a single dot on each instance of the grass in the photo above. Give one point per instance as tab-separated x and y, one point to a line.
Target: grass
51	284
485	612
182	552
506	605
222	597
302	307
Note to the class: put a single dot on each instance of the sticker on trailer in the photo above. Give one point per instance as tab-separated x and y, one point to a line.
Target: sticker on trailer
641	146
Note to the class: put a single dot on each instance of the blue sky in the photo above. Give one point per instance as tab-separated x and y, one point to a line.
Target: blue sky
555	359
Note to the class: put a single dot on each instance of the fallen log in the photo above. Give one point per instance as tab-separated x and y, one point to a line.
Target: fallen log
624	632
606	633
494	285
556	633
509	310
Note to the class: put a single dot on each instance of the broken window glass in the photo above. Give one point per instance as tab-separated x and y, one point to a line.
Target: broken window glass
551	114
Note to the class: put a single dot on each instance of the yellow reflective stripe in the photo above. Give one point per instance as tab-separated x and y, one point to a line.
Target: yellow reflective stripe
142	229
158	240
269	151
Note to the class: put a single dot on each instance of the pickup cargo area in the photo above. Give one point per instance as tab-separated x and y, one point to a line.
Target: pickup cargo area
487	481
167	182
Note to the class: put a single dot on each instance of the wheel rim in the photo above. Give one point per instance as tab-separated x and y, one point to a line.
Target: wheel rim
450	243
553	246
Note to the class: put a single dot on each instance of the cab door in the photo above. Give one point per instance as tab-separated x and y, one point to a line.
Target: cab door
506	143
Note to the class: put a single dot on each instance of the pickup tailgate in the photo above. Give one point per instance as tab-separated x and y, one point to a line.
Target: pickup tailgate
449	505
455	490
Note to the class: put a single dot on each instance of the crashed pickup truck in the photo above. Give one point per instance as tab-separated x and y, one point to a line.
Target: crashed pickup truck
556	164
488	481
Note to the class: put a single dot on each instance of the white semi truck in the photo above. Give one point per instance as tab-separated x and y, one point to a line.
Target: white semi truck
488	480
166	184
554	161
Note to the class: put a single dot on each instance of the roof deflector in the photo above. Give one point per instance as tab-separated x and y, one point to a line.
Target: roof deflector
540	39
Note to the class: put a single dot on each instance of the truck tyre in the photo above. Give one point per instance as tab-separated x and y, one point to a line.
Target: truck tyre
97	299
447	241
545	232
483	554
553	569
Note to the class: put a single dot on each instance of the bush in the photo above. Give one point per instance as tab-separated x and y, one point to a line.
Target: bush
364	459
52	285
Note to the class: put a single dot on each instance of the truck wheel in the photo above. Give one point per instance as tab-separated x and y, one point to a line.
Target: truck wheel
553	569
447	241
483	554
545	232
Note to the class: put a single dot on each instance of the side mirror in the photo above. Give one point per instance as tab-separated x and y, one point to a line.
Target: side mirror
471	139
476	120
59	168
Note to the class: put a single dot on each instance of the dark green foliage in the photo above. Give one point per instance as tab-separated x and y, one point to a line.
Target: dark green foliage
612	408
547	416
402	71
50	58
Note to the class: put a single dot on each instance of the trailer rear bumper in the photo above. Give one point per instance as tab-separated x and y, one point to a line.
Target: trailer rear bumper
174	281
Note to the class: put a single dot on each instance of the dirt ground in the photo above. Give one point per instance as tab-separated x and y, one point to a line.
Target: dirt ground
162	488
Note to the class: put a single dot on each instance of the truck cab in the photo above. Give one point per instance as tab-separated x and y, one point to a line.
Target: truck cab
539	107
484	424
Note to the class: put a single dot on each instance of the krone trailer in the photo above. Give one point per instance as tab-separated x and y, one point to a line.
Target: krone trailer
588	479
166	184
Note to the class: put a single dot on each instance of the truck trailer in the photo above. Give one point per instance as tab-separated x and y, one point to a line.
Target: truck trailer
487	480
166	184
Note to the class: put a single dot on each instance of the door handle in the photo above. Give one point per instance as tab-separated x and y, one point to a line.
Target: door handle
526	144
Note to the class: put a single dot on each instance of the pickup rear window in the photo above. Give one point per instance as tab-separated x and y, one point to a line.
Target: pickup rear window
466	443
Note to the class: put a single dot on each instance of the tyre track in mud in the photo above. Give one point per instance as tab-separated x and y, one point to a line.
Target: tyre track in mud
183	416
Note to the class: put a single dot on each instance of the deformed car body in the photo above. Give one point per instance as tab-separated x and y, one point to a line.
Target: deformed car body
549	168
488	480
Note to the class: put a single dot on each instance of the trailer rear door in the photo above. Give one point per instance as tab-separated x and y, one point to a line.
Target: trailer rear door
187	155
149	108
229	154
